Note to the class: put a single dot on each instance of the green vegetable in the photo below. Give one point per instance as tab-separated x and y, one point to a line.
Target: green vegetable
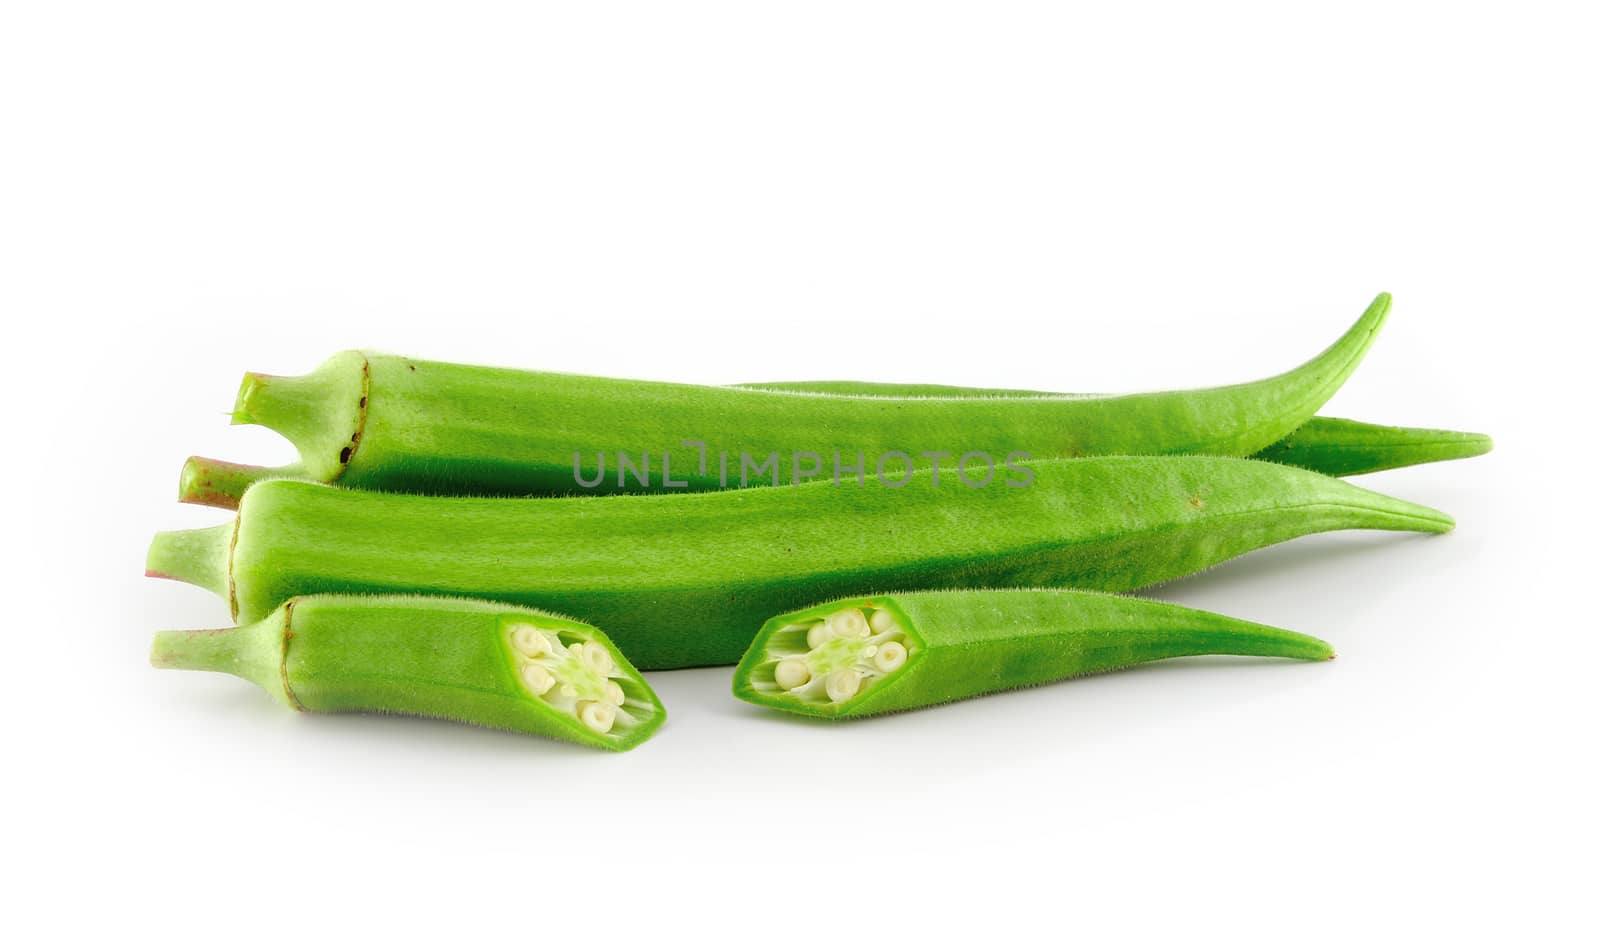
1345	447
1336	447
390	423
478	662
686	579
863	656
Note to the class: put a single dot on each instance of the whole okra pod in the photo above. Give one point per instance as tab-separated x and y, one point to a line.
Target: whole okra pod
686	579
1336	447
383	422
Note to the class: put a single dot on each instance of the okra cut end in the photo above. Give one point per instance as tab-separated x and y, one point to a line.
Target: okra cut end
583	682
322	413
829	661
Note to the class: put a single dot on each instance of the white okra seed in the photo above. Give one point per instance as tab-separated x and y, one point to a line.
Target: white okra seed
537	679
882	621
848	623
597	716
890	657
818	635
529	641
568	691
596	657
792	673
614	694
842	684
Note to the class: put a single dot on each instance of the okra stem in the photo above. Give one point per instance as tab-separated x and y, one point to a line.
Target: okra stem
199	556
252	652
210	482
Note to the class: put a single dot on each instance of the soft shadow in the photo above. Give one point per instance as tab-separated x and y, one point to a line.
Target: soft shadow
1287	558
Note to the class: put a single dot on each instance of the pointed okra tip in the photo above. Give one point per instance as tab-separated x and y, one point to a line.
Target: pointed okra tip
830	660
574	673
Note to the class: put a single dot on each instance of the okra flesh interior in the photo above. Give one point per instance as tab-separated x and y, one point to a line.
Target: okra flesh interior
875	654
482	663
1327	445
686	579
392	423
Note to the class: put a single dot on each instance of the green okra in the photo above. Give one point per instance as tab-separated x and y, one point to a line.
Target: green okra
382	422
874	654
478	662
1336	447
686	579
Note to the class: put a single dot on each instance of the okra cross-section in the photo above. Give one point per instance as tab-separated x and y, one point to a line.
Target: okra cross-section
478	662
869	655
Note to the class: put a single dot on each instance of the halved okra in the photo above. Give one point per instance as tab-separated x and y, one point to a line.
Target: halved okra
873	654
482	663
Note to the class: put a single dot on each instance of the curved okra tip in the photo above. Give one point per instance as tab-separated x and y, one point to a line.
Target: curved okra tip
868	655
685	580
383	422
477	662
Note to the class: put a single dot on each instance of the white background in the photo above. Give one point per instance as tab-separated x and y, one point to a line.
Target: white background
1138	196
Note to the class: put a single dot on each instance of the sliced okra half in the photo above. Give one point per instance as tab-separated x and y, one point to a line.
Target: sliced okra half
482	663
864	656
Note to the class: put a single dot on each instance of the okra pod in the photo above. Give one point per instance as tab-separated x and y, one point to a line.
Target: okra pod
391	423
1336	447
478	662
686	579
874	654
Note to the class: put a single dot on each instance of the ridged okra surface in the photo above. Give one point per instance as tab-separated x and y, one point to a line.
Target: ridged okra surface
392	423
687	579
1327	445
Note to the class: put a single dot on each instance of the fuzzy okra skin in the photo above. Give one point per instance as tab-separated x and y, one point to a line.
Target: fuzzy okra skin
686	579
477	662
874	654
390	423
1336	447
